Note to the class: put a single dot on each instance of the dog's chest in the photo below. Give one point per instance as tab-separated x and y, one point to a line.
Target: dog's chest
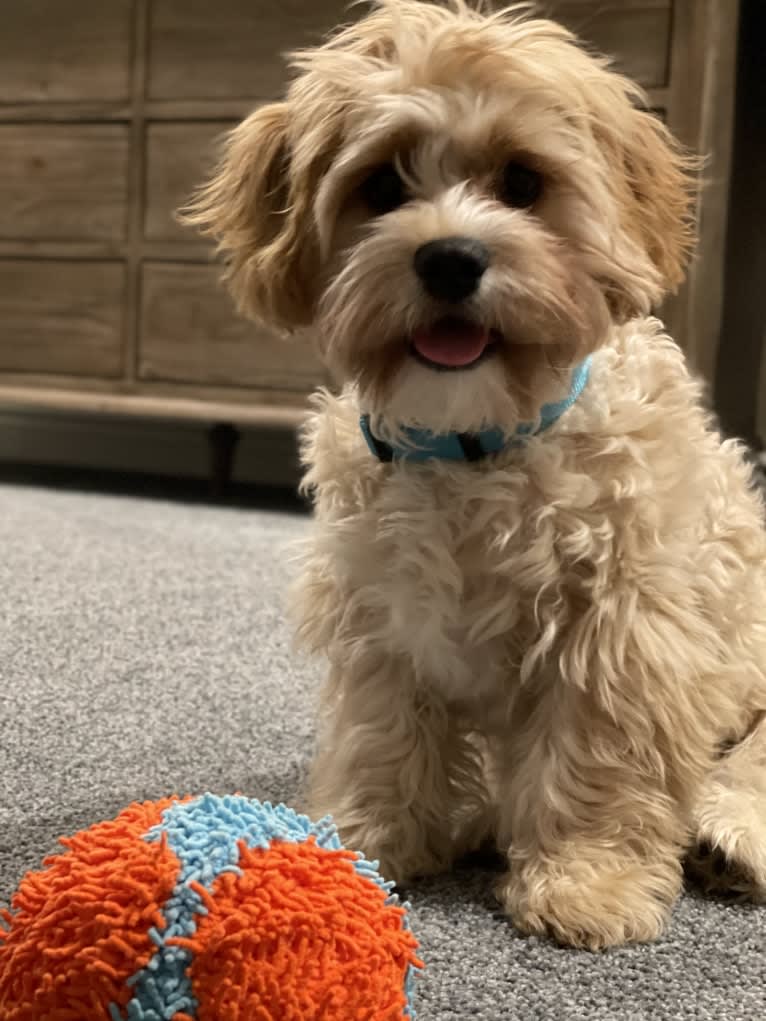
445	574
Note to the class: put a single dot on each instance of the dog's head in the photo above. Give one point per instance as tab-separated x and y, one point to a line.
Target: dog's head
460	204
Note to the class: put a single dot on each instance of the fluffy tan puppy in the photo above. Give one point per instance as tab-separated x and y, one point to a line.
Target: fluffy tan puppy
560	643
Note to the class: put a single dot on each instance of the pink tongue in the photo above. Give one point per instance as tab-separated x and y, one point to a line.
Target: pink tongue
451	344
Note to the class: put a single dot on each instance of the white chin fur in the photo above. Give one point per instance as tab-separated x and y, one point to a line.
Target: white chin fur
464	400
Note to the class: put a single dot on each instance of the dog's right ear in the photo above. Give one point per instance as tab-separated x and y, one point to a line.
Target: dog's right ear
259	214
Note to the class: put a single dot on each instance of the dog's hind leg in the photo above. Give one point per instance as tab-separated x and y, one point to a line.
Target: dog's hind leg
730	819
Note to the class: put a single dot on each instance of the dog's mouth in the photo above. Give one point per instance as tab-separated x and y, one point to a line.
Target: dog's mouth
452	343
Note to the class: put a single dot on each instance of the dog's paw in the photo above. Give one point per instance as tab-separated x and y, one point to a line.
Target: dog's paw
400	849
729	876
729	855
587	909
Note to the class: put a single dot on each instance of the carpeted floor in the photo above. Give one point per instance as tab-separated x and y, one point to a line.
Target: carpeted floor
143	650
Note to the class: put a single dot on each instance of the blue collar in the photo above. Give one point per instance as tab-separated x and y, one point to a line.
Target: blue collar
423	445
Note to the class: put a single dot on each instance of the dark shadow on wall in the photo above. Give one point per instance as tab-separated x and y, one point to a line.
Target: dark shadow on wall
743	331
152	487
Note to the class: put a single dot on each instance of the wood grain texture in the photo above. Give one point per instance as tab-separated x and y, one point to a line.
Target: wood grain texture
231	48
190	332
137	186
236	48
61	317
635	32
282	412
63	181
157	390
64	50
178	158
701	114
28	248
176	110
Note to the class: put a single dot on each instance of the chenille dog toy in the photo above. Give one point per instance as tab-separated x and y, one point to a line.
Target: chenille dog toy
206	909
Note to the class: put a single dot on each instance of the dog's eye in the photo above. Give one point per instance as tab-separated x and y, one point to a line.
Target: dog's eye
384	190
521	186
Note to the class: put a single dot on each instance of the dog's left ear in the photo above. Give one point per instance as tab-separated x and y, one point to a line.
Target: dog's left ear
656	192
663	182
257	206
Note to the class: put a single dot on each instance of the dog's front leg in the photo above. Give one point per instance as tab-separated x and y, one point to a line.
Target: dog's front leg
595	831
394	769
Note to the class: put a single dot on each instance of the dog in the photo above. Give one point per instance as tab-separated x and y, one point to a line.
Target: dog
537	570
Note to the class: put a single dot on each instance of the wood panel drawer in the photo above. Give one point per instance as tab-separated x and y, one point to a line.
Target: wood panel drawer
230	49
63	181
61	317
236	49
65	50
179	157
190	333
637	33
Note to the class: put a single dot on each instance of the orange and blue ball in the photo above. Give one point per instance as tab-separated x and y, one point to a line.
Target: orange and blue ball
206	909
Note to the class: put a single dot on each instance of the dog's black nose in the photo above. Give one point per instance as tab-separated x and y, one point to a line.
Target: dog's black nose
451	268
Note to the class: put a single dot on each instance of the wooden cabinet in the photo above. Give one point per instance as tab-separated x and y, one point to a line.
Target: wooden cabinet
59	317
231	49
64	182
637	32
178	156
189	335
109	115
78	51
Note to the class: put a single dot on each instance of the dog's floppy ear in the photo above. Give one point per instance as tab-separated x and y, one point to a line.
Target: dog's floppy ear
663	183
260	215
655	183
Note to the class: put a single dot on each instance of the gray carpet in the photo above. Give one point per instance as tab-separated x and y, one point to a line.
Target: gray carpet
143	650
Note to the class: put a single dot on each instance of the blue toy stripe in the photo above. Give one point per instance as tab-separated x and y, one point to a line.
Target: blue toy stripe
204	834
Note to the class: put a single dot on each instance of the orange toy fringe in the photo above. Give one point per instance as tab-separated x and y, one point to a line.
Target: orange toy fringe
79	928
300	934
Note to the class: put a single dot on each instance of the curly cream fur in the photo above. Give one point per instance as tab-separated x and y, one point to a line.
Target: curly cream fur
584	619
562	646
